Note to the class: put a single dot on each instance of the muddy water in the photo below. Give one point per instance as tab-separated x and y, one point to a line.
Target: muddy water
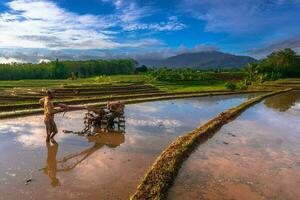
107	167
255	157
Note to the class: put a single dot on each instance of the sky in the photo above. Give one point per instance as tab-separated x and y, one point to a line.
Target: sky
42	30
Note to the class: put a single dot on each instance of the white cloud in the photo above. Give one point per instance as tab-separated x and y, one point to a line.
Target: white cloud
44	61
262	25
137	52
116	3
42	24
171	25
277	44
247	16
130	16
168	52
10	60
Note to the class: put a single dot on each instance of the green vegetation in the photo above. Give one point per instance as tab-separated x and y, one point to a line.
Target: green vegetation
281	64
136	82
230	85
192	80
205	77
80	82
66	69
12	111
188	86
164	170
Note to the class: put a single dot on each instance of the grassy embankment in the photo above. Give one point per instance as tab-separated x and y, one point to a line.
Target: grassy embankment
19	98
162	173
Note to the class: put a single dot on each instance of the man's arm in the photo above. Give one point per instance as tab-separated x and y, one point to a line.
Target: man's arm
42	102
53	110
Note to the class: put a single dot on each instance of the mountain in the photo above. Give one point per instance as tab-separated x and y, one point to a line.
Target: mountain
200	60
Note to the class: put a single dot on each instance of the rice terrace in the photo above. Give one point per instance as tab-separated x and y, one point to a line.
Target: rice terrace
113	99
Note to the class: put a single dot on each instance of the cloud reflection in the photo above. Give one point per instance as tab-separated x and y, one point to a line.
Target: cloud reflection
154	122
28	131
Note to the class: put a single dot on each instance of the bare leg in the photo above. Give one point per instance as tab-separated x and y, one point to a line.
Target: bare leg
52	135
48	137
47	132
53	141
53	129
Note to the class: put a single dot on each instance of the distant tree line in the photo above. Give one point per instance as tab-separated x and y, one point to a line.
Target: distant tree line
281	64
64	69
166	74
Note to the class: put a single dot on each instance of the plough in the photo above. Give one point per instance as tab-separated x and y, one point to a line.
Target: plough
108	119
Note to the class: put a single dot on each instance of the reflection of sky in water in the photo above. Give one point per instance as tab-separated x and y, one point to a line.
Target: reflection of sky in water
295	109
155	118
260	147
30	131
175	117
150	127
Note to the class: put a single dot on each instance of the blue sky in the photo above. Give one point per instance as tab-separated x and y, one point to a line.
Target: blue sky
35	30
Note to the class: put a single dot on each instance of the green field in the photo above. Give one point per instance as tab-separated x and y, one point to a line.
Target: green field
22	96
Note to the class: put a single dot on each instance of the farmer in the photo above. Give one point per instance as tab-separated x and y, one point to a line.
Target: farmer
49	112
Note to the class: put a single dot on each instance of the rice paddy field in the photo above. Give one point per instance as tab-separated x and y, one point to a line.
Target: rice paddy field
253	145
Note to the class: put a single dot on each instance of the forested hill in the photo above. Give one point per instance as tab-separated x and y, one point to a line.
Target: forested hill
64	69
201	60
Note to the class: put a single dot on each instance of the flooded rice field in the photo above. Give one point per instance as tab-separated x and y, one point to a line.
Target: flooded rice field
257	156
105	167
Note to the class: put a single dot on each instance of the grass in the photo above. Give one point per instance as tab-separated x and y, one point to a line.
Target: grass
20	92
189	86
24	94
78	82
102	81
164	170
13	112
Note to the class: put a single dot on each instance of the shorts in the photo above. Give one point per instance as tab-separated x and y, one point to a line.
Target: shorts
50	126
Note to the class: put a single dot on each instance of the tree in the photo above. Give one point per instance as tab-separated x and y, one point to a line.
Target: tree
284	62
280	64
141	69
63	69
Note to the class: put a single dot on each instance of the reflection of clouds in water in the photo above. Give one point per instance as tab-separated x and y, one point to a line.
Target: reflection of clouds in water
35	138
145	118
18	125
203	104
145	108
29	131
10	128
280	120
85	172
154	122
295	109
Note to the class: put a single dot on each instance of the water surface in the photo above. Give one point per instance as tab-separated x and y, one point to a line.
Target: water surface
257	156
107	167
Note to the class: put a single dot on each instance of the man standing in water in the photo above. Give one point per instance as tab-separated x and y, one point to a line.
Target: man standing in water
49	112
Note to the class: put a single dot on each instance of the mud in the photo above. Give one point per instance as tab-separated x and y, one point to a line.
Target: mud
108	167
257	156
